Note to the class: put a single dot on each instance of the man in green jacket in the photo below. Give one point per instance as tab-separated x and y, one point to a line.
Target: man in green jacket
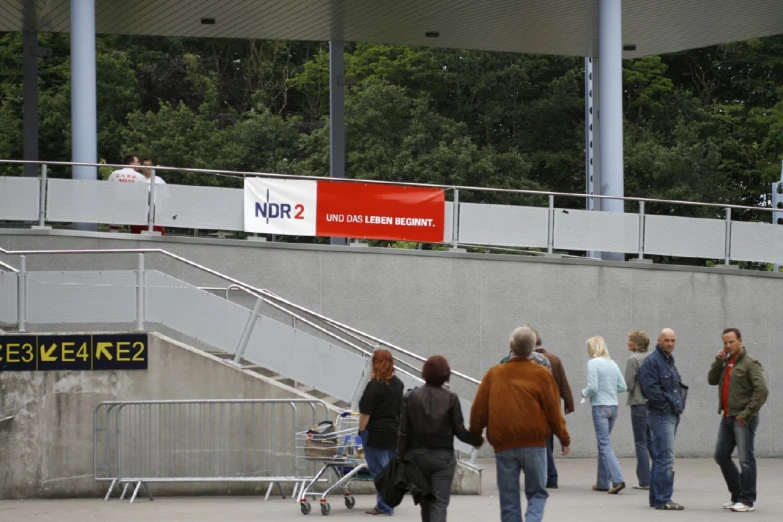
742	392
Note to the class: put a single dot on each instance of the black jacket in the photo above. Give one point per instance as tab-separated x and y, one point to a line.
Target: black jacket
431	417
400	476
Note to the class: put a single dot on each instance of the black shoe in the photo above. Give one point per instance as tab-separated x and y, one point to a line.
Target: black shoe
551	486
615	489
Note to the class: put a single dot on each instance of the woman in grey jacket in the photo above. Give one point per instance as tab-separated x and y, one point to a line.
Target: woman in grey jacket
604	382
638	343
431	418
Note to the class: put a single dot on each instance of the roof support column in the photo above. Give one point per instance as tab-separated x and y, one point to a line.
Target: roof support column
610	98
592	149
84	102
336	117
30	101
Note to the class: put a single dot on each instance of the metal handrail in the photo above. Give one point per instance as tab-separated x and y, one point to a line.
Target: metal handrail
330	322
9	267
258	292
236	173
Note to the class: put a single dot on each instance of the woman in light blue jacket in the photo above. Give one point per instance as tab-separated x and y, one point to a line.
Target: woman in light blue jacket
604	382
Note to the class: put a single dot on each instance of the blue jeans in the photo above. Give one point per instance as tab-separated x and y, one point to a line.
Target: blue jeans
730	435
642	438
510	463
609	472
377	458
663	426
551	470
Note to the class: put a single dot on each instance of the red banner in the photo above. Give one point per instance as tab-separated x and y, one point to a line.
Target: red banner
372	211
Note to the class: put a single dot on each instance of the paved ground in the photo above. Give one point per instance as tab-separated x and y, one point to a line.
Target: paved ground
698	486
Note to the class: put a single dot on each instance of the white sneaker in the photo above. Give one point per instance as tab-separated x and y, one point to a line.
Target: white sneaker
741	508
728	505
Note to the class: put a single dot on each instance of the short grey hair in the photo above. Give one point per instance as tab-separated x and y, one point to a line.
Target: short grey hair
522	342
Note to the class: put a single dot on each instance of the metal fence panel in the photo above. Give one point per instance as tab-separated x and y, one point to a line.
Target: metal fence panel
19	198
193	312
592	230
81	297
8	285
205	208
304	358
684	237
448	222
503	225
245	440
90	201
760	242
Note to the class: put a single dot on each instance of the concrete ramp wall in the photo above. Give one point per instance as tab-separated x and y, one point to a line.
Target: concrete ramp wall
47	449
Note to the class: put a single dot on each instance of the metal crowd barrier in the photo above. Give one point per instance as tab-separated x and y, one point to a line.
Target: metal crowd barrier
141	442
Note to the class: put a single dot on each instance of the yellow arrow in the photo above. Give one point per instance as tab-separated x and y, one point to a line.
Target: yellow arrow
103	349
46	355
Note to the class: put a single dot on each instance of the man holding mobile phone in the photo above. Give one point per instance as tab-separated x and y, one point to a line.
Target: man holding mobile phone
742	392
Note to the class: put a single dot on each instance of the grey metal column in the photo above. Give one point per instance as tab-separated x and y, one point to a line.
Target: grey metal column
336	117
589	184
30	101
611	106
84	104
592	173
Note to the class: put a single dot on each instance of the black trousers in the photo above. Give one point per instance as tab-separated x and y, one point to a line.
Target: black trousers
438	466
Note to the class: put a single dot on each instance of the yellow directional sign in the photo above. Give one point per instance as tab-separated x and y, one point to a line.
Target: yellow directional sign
22	352
103	351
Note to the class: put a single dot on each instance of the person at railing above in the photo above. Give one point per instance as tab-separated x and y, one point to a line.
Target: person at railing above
431	418
146	172
128	174
379	419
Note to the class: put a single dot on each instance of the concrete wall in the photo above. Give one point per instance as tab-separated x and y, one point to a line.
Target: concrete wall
465	305
47	449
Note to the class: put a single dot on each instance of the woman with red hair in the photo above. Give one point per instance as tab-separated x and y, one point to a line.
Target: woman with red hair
379	419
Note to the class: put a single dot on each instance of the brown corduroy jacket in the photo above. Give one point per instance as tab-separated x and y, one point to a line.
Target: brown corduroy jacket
558	372
519	405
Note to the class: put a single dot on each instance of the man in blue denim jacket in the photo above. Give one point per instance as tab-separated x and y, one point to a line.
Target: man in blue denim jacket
662	387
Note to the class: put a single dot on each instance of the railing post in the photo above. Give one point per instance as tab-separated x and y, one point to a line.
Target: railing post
550	239
21	295
140	292
728	237
641	230
42	198
151	216
245	338
455	221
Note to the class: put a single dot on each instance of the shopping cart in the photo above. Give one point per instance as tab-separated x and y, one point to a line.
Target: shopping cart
339	448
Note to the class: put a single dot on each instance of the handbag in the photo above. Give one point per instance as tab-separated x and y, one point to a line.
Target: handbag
683	395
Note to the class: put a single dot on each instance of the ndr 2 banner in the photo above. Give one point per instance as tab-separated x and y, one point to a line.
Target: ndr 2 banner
344	209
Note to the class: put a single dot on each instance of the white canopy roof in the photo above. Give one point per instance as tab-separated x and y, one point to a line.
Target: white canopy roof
564	27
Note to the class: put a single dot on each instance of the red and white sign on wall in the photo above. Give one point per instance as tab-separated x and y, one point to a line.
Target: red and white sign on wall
344	209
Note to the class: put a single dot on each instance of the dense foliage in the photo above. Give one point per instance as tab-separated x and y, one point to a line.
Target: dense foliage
700	125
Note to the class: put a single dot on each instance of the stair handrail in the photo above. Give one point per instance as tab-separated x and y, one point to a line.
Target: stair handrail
250	289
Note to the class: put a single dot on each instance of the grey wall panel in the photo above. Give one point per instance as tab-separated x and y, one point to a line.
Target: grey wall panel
194	312
602	231
304	358
8	281
684	237
205	208
464	307
760	242
503	225
448	222
86	296
88	201
19	198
